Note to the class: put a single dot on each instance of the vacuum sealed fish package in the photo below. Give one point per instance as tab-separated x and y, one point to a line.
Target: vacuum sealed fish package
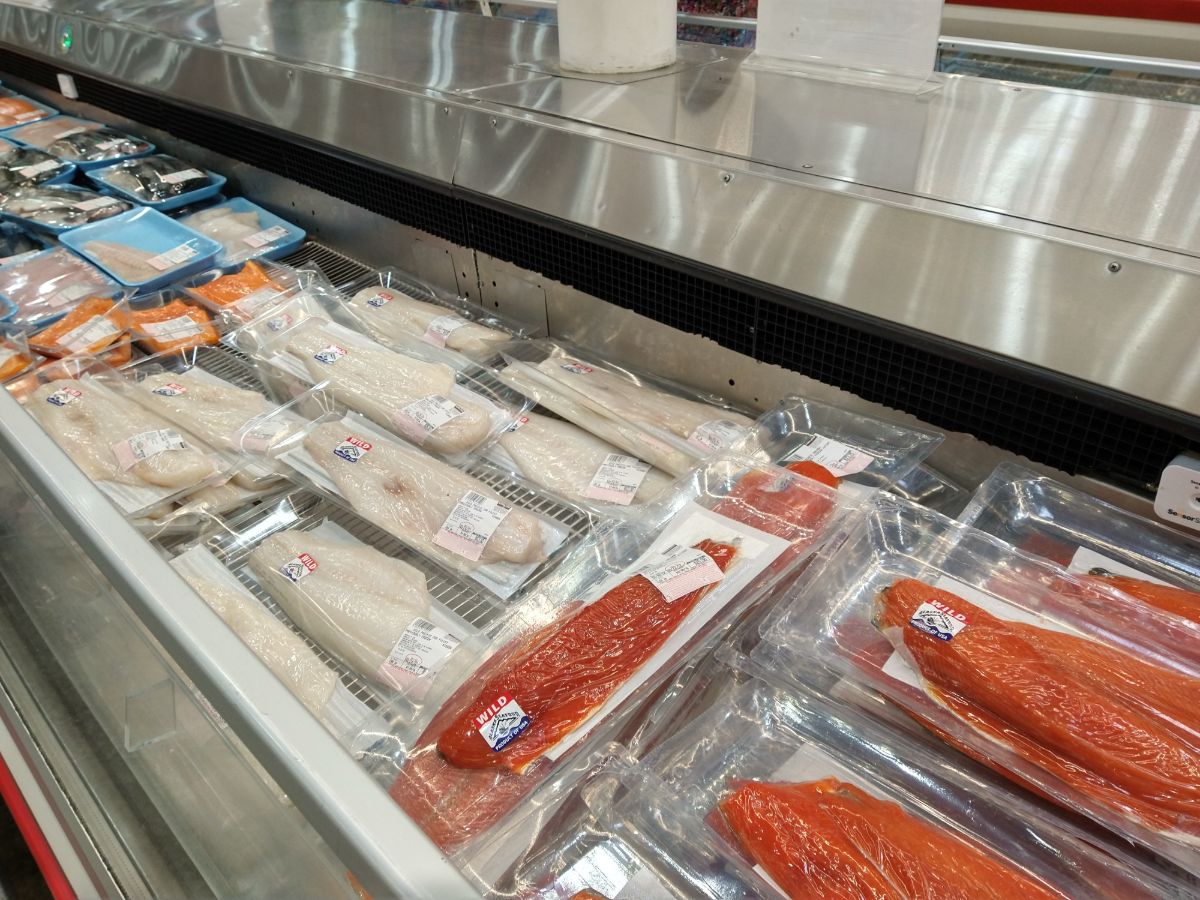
16	359
17	109
138	459
159	181
860	449
59	207
602	631
824	802
661	423
86	144
245	294
168	320
27	166
1069	688
397	308
1097	541
429	404
245	231
143	249
95	326
43	287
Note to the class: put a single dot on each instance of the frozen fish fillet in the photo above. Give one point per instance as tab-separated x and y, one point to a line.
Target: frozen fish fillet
383	386
285	653
410	495
390	315
224	225
355	602
216	413
127	263
88	427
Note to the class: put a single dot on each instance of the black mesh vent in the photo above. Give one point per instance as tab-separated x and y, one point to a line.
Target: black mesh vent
1033	413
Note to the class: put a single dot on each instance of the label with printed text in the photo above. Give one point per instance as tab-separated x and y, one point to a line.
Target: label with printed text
423	417
146	445
299	567
169	259
266	237
502	722
418	653
617	480
840	459
682	571
471	525
938	620
441	328
352	449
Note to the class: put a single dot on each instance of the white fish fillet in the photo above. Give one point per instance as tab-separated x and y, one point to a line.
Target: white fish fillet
285	653
224	225
403	316
356	603
127	263
380	383
214	412
88	426
564	458
222	498
409	494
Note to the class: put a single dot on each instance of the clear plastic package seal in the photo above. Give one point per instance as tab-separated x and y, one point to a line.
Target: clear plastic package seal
600	633
159	181
929	487
1070	688
86	144
431	405
860	449
138	459
245	230
59	207
27	166
44	286
659	422
825	802
396	308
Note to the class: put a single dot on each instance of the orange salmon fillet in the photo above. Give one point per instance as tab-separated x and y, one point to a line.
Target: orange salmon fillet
1177	601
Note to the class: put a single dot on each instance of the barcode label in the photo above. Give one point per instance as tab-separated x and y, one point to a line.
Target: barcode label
143	446
69	294
441	328
38	168
177	177
840	459
266	237
685	569
173	329
715	436
423	417
419	653
96	203
93	331
169	259
110	145
471	525
617	480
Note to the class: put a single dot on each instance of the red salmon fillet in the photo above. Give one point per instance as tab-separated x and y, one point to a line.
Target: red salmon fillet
1027	694
1177	601
829	839
792	511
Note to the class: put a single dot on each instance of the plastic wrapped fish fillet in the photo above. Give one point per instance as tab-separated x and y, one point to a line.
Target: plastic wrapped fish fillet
153	179
390	315
23	166
58	206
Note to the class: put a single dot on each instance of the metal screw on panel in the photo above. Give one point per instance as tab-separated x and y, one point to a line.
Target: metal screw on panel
806	166
727	178
493	123
1114	267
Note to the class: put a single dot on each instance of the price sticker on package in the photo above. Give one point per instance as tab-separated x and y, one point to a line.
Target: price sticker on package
95	203
471	525
299	567
419	652
684	570
64	396
437	331
93	331
264	436
256	300
169	259
840	459
617	480
575	367
266	237
110	145
38	168
179	177
173	329
715	436
146	445
423	417
69	294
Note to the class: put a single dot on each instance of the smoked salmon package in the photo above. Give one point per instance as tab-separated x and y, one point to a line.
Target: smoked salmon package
606	629
164	322
431	405
861	450
665	424
398	309
824	802
607	828
247	293
91	327
16	359
17	109
1070	687
45	286
1098	541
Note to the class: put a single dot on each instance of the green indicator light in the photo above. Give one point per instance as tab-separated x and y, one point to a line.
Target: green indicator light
67	38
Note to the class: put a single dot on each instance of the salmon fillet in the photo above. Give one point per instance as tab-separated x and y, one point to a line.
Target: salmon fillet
1177	601
1077	709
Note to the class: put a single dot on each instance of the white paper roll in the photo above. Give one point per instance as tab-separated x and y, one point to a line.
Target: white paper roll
607	36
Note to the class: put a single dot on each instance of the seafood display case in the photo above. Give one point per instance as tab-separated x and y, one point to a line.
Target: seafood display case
901	292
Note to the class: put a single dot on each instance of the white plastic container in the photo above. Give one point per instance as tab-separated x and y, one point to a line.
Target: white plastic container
610	36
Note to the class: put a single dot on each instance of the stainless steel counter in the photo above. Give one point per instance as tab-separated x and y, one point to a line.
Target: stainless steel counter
1050	226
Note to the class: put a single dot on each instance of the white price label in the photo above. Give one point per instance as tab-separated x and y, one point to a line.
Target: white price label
298	567
45	165
169	259
715	436
256	300
418	653
69	295
29	115
840	459
173	329
263	437
470	525
93	331
330	354
170	389
423	417
64	396
352	449
96	203
110	145
143	446
939	620
437	331
177	177
617	480
78	129
684	570
502	722
266	237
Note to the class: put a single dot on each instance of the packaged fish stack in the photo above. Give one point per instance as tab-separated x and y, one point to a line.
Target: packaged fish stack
397	308
143	249
17	109
245	231
138	459
45	286
60	207
1070	688
664	424
86	144
429	404
603	630
27	166
240	297
823	802
158	181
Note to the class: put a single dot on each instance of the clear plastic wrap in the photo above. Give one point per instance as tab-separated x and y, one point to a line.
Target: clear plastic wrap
161	182
87	144
18	243
91	327
664	424
588	643
929	487
431	405
860	449
244	295
138	459
1072	689
27	166
142	248
59	207
825	801
167	321
44	286
245	230
397	308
